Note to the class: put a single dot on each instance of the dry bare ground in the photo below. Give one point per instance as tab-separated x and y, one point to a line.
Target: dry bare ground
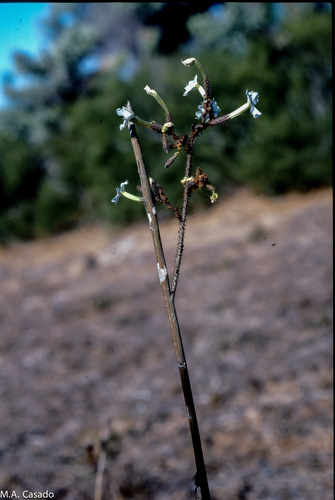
86	357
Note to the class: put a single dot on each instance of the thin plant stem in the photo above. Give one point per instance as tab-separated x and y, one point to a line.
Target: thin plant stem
181	238
100	474
182	225
201	475
182	222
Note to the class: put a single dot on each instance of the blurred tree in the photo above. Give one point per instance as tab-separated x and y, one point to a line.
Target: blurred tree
171	18
53	78
230	27
292	145
62	132
57	75
285	55
19	186
40	89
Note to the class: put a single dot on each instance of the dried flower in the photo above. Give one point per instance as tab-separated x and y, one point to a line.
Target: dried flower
214	196
166	127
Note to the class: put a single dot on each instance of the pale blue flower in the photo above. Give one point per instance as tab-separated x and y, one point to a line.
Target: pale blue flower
119	192
127	115
253	100
215	108
198	114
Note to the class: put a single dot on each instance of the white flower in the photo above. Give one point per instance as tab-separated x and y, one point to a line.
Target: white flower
192	60
119	191
189	62
157	97
149	90
127	115
253	100
193	84
215	108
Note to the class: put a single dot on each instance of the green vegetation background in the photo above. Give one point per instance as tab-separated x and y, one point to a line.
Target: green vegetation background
62	153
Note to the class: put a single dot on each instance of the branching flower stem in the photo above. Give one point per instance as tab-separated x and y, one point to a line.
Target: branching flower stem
182	226
201	474
182	223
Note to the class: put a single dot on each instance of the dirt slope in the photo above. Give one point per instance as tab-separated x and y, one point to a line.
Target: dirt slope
86	355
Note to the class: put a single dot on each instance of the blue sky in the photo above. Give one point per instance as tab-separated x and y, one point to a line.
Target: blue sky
19	30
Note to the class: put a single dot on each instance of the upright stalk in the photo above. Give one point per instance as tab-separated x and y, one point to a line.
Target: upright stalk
201	475
181	238
182	222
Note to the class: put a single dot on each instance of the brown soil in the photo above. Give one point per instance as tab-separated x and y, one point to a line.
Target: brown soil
87	359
